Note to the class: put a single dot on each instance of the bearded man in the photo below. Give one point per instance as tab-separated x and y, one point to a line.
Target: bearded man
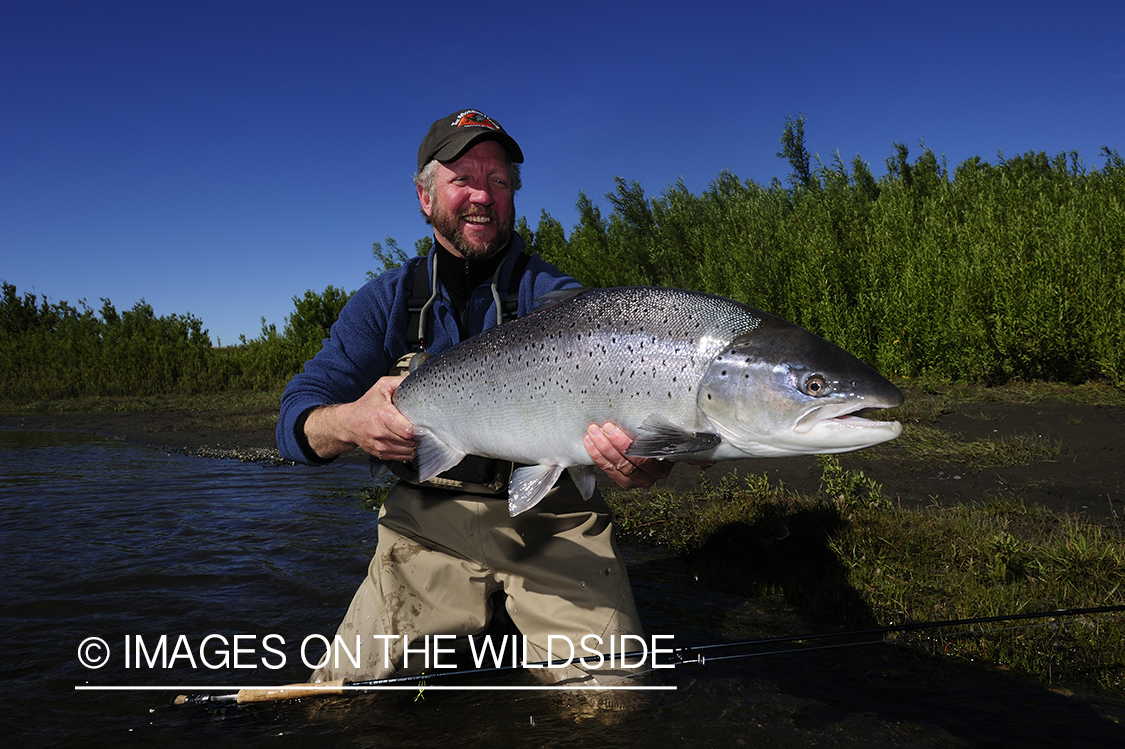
447	547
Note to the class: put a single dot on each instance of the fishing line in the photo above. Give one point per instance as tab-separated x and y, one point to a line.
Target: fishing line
702	660
913	626
684	655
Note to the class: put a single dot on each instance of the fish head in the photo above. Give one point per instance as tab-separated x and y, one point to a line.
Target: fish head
781	390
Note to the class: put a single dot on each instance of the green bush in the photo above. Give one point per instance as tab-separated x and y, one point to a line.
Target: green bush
51	351
996	272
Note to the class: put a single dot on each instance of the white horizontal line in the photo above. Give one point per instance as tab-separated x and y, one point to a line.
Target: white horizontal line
390	687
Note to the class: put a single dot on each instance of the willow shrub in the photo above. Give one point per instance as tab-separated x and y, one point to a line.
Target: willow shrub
55	350
60	351
996	272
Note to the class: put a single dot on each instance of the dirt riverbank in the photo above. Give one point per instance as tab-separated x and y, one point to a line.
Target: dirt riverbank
1068	456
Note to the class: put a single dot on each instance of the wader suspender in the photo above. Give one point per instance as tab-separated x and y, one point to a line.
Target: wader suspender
474	474
421	293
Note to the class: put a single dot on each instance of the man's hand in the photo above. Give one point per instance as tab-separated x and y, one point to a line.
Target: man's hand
371	423
607	445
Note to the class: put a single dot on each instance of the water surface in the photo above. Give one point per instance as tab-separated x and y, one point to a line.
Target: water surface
99	538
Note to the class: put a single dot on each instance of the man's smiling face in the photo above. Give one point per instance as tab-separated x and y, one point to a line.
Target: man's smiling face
472	207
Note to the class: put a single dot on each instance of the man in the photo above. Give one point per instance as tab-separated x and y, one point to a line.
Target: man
445	547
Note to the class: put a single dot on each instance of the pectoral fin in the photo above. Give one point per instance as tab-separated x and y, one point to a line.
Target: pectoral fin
530	484
659	438
432	456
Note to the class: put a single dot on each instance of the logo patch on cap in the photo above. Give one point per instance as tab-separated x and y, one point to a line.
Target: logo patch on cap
473	118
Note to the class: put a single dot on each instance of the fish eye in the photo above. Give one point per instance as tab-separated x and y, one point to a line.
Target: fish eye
815	386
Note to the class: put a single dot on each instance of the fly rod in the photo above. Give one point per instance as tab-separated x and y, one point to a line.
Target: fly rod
683	655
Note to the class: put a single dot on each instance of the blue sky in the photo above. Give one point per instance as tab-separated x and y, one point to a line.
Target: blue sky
219	158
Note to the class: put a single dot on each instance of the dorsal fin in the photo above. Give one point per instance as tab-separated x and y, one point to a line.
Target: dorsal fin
556	298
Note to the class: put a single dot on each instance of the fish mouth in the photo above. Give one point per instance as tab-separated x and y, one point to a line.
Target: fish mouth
847	416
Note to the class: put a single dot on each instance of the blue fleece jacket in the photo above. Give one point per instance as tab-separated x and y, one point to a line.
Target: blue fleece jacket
370	336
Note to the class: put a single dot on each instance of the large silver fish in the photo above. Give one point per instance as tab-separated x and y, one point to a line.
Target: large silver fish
691	376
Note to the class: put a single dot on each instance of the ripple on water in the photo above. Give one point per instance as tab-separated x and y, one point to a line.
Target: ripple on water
102	538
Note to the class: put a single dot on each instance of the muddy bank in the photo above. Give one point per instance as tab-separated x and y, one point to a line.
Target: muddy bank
1086	473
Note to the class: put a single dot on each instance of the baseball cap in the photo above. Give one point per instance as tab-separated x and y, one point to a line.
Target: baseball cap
451	136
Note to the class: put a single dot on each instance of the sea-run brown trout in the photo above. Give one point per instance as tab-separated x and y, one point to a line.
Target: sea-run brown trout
691	376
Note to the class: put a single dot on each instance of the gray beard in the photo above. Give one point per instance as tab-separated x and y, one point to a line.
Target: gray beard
449	226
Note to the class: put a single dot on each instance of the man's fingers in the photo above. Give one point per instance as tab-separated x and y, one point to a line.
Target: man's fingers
387	434
607	445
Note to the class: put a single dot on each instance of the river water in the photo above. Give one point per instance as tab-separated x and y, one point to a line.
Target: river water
103	539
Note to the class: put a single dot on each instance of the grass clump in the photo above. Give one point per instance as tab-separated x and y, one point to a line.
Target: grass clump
923	442
683	521
849	554
990	560
751	536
